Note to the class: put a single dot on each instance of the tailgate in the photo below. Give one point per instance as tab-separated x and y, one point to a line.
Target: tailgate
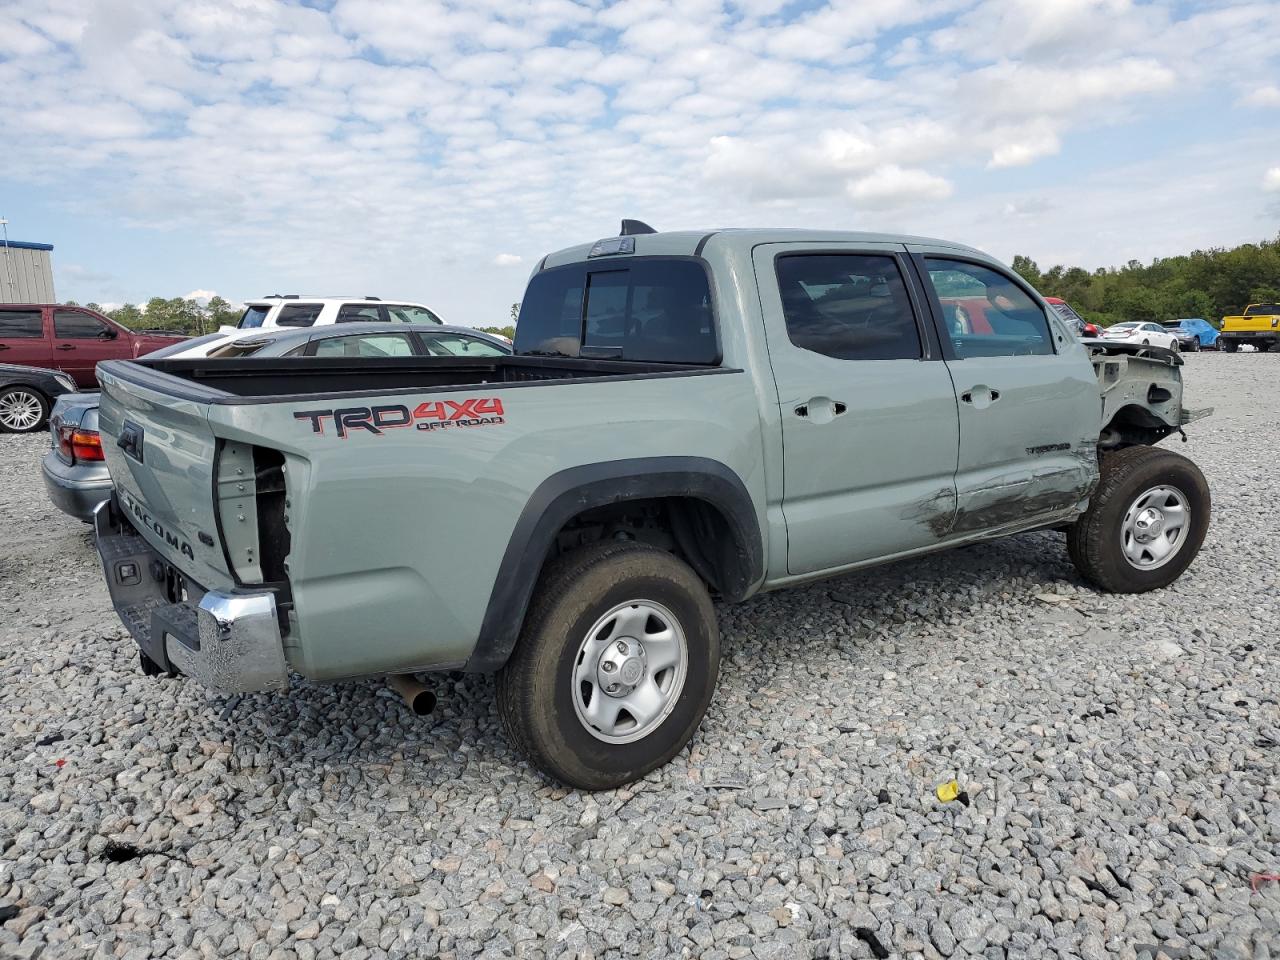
160	452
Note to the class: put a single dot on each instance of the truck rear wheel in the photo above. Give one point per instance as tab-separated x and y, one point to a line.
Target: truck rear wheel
1229	345
615	666
1145	522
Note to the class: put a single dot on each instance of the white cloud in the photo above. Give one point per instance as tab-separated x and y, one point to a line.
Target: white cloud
1028	207
321	148
200	296
892	186
1018	151
1267	96
1271	180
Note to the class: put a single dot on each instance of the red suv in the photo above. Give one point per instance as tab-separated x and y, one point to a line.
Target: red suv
70	339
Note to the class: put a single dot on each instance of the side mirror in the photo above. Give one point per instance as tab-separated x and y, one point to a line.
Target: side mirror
107	333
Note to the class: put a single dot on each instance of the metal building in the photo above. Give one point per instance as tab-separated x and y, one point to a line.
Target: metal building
26	272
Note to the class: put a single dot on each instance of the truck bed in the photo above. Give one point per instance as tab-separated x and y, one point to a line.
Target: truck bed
283	378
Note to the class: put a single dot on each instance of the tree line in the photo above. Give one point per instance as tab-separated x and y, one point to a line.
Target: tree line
178	315
1209	284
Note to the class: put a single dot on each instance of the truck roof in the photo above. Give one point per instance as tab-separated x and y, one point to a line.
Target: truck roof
685	243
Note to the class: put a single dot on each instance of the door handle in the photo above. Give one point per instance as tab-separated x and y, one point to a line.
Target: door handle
65	346
4	346
820	410
980	396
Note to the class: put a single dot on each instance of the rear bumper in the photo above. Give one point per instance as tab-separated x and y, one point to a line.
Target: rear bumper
1249	336
75	490
228	641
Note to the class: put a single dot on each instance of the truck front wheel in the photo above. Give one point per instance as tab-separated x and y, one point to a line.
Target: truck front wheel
1145	522
615	666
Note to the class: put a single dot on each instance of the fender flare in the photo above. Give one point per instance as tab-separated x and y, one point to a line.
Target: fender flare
568	493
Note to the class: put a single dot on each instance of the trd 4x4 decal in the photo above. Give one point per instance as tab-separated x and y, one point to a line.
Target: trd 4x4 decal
432	415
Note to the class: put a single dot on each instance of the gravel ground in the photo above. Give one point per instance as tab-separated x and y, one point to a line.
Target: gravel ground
1116	758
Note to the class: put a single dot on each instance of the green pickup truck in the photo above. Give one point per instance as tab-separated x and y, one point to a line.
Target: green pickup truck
688	416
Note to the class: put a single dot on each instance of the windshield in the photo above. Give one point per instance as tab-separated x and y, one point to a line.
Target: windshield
1262	309
253	316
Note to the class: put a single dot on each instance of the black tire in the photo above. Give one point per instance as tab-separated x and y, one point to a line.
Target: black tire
1146	343
40	400
1263	346
1094	542
1195	346
535	689
1230	346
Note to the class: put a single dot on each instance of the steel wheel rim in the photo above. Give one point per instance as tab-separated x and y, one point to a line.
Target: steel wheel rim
20	410
639	649
1155	527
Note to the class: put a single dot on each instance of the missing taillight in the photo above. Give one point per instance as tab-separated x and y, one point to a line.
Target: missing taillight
273	521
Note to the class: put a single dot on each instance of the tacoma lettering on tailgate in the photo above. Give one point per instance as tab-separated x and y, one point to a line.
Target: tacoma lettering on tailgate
432	415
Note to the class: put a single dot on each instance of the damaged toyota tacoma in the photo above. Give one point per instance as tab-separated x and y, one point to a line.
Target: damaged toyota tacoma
688	417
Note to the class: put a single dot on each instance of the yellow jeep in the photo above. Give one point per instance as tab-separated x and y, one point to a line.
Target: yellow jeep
1258	325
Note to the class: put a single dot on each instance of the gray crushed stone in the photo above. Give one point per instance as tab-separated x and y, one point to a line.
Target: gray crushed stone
1116	756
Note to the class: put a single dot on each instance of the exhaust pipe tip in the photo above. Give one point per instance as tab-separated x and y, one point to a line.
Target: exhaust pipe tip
416	697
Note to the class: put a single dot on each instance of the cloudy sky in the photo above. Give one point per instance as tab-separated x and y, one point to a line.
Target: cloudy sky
434	150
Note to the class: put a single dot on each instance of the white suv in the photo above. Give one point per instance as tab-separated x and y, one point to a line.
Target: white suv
292	310
289	311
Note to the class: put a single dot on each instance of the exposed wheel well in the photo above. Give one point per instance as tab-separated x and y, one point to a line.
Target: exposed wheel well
1133	425
693	529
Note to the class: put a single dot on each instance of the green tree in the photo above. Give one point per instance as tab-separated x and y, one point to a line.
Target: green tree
127	315
220	313
1204	283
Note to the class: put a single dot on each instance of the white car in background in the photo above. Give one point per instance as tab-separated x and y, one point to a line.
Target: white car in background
1147	334
292	311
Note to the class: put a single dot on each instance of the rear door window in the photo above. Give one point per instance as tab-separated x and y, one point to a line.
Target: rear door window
364	345
299	314
657	310
21	324
848	306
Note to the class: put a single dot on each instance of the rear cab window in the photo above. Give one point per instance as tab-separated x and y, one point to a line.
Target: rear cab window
654	309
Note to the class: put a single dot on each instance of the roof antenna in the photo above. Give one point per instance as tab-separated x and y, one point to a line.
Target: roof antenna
631	227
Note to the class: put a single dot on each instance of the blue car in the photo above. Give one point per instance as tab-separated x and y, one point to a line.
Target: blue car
1194	334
